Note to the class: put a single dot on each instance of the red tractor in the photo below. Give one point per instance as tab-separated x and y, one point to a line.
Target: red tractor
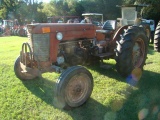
66	48
5	26
63	19
18	30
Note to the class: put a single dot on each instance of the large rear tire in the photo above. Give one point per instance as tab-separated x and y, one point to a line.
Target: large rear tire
73	87
157	38
131	50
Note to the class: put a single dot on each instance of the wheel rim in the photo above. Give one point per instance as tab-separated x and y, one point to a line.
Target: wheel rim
77	89
20	74
138	52
148	33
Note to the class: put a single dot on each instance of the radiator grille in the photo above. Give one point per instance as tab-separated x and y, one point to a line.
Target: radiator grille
40	45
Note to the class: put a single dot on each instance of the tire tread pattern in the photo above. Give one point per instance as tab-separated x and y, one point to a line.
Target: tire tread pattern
157	38
124	50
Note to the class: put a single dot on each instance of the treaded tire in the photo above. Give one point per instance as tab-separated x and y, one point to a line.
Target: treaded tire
73	87
18	71
131	50
157	38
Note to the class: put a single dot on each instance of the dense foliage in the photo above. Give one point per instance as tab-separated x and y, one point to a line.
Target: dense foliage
32	10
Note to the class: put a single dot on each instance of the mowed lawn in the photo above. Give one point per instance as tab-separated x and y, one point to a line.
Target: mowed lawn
112	98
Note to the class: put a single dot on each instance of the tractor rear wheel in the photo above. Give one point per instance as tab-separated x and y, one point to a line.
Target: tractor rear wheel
19	73
157	38
131	50
73	87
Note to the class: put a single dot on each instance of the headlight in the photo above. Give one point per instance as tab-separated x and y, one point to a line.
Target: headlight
59	36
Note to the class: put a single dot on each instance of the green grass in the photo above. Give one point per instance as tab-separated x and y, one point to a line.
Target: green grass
112	98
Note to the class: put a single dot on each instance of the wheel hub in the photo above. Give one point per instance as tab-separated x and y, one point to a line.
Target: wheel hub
138	53
77	88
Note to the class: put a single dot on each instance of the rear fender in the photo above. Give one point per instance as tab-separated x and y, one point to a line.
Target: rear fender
119	32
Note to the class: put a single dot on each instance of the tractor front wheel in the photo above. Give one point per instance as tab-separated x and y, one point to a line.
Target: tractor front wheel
131	50
74	87
18	71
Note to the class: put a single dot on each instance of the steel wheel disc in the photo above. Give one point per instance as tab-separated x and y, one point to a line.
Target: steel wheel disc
77	88
138	52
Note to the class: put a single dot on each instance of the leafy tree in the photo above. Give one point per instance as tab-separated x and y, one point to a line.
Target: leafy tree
22	10
63	8
150	12
8	7
129	1
3	13
48	9
106	7
41	17
153	11
79	9
32	10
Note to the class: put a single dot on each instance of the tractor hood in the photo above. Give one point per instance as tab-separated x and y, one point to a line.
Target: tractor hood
69	31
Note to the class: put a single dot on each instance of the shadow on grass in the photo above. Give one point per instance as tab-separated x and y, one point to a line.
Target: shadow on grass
111	72
44	89
144	103
151	49
91	110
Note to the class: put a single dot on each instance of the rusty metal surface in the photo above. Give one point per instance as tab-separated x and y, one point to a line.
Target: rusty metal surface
138	52
69	31
27	70
37	68
41	47
77	88
118	33
45	48
26	55
100	36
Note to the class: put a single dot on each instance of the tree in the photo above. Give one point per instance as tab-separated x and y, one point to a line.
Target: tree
79	9
32	10
153	11
150	12
3	13
129	1
8	8
48	9
106	7
63	8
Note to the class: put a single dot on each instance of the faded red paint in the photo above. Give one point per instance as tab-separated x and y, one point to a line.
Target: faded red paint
69	31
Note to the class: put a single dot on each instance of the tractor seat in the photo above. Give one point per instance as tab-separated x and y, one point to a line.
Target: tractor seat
108	26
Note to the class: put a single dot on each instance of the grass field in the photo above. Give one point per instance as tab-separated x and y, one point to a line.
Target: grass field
112	98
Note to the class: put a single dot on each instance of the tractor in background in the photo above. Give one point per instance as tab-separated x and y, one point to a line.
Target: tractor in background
18	30
157	38
96	18
63	19
12	27
5	26
150	23
130	16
